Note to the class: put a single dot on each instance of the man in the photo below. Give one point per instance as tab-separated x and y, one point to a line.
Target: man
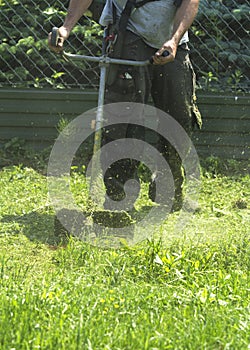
152	29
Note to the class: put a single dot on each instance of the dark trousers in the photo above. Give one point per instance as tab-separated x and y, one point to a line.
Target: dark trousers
171	87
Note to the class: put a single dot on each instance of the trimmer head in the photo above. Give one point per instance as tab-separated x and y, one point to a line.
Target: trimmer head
114	219
105	219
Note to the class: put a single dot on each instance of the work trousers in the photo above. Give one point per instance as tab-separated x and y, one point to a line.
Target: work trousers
171	87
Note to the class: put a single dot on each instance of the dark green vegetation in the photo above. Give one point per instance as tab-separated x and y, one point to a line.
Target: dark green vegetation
26	60
220	45
172	292
219	39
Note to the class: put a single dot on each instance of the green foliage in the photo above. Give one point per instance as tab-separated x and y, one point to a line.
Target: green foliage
16	152
220	38
25	58
214	166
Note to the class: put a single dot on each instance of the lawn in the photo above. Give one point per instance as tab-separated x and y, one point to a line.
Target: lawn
186	291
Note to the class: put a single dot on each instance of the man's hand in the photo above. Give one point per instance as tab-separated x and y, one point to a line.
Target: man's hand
75	11
183	19
169	46
63	34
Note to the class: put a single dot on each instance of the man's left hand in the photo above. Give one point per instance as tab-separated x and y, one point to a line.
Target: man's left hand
169	46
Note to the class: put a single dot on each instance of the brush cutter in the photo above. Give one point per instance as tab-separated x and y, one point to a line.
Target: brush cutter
104	61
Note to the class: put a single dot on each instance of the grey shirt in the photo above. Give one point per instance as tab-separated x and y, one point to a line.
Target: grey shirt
153	22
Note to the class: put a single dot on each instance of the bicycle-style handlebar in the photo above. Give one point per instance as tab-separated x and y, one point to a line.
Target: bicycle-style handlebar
104	59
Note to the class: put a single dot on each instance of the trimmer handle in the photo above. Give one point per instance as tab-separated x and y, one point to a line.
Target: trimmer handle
54	36
164	54
54	42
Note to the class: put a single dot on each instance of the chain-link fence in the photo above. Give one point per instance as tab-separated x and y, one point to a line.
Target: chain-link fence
219	40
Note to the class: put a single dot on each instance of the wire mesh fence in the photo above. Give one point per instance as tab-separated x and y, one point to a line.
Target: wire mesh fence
219	41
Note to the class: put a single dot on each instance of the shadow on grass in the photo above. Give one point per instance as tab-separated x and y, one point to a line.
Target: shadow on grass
36	226
45	227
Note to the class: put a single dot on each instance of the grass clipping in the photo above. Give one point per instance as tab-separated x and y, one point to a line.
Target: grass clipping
109	218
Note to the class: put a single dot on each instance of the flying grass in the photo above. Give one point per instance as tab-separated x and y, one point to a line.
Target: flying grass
189	291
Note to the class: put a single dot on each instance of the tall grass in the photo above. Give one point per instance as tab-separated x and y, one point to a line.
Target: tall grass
185	292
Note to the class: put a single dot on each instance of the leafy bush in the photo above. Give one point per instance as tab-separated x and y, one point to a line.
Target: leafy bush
219	42
220	39
25	58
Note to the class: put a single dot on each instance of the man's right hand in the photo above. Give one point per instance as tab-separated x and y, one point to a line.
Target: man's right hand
63	34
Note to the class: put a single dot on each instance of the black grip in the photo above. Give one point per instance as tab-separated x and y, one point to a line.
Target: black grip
164	54
54	36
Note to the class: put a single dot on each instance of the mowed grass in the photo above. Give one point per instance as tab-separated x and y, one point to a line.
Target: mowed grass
189	291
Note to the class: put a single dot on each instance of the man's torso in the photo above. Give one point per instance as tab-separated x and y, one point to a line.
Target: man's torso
153	21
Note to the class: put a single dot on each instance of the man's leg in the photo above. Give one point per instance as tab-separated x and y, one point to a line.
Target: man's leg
130	84
173	92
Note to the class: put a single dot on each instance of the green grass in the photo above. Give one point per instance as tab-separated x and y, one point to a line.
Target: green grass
172	292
